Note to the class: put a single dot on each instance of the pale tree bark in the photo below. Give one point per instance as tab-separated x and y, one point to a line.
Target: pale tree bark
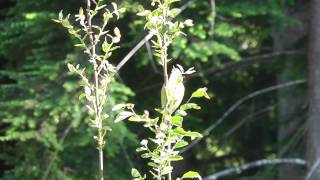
288	100
313	137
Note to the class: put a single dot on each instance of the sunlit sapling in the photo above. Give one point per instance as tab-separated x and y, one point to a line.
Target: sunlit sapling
98	43
169	134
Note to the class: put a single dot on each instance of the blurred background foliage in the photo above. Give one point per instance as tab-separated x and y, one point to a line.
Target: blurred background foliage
237	47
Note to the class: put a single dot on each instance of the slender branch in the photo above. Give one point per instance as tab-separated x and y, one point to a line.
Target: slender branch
313	168
164	58
163	128
93	59
134	50
126	155
147	38
295	139
255	164
152	61
237	104
95	92
263	58
247	118
96	87
299	132
185	6
221	140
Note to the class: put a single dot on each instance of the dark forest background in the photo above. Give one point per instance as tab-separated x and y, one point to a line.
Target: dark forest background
260	60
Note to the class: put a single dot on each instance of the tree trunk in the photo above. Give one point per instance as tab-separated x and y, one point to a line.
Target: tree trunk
288	100
313	141
288	103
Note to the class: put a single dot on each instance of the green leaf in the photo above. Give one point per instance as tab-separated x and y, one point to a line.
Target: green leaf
114	48
116	39
61	15
135	173
188	22
157	55
81	12
145	155
80	45
193	135
201	92
106	16
71	68
180	144
122	106
115	7
173	12
177	120
180	130
118	106
191	175
181	112
123	115
81	96
140	149
176	158
152	164
117	32
106	47
66	23
190	106
135	118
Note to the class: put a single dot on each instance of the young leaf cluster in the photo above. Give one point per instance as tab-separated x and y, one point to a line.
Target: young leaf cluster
169	136
99	44
160	22
168	132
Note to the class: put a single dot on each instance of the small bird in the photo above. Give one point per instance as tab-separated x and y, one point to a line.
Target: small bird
173	93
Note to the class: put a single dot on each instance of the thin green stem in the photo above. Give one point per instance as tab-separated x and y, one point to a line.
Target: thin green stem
96	88
165	75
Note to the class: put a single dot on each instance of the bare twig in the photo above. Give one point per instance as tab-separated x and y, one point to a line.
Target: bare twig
294	140
126	155
247	118
153	64
237	104
147	38
263	58
221	141
296	137
313	168
134	50
255	164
